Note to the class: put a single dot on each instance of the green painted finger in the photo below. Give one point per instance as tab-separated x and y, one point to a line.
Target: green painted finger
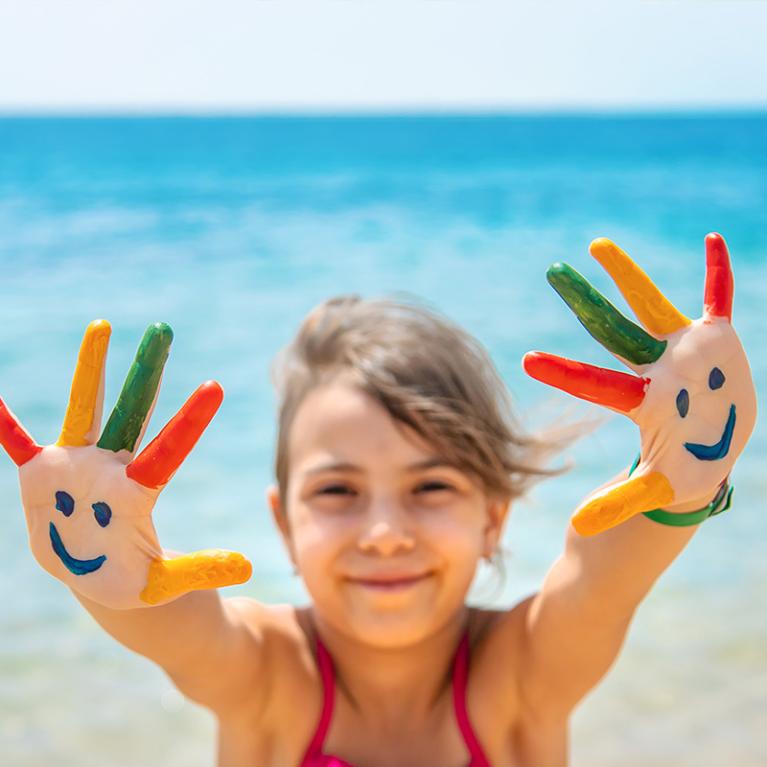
615	332
127	419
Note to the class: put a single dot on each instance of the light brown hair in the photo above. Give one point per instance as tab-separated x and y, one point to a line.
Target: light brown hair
427	373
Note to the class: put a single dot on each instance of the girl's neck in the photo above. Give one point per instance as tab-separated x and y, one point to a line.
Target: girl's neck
394	688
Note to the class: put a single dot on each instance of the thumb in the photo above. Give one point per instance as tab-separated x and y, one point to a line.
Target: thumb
207	569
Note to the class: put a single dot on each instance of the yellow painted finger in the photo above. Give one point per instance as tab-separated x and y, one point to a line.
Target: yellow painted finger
619	503
83	416
651	307
207	569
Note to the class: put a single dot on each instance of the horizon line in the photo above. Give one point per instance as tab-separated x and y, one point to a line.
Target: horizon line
368	111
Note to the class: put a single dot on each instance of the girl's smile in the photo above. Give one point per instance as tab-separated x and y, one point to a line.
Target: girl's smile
390	581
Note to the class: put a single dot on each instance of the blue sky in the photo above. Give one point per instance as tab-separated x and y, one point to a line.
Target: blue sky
286	55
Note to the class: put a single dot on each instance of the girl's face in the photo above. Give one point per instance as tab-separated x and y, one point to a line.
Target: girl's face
385	535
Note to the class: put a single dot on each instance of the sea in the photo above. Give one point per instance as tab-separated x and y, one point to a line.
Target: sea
231	229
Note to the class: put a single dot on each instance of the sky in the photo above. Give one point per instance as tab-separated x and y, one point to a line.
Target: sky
380	55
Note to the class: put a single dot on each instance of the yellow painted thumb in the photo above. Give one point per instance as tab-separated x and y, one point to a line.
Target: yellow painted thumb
619	503
207	569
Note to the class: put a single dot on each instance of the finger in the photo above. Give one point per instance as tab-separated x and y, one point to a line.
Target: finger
610	388
717	300
620	502
652	308
127	421
208	569
15	439
604	322
157	463
83	416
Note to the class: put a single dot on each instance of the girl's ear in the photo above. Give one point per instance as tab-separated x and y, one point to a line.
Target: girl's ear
497	514
280	518
273	499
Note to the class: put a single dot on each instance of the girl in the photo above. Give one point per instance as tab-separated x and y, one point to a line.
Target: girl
397	462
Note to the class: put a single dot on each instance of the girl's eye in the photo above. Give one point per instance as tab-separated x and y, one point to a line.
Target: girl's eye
335	490
433	487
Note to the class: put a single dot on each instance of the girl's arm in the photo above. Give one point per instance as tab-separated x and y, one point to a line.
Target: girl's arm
88	501
693	398
576	624
211	648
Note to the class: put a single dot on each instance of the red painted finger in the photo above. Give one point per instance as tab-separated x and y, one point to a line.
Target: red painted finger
14	437
717	297
157	463
610	388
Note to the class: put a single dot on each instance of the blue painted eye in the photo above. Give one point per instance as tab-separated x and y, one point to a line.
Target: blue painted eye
102	513
715	379
64	502
683	402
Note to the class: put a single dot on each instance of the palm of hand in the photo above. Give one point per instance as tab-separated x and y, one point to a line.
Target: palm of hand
88	505
89	524
691	394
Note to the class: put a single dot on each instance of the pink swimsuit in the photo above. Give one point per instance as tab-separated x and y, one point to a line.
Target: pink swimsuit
314	756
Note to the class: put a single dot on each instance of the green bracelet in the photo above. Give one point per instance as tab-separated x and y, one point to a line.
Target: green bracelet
722	501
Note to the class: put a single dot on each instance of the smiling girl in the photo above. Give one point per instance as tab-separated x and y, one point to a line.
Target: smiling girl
397	464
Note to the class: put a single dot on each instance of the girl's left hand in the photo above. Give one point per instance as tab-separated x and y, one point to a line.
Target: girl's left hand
692	394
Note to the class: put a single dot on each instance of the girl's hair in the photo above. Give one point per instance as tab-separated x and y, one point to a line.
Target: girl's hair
426	372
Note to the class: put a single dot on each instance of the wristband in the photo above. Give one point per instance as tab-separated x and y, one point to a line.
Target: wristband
721	502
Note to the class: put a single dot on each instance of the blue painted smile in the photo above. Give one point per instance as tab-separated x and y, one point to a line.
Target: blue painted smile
721	448
76	566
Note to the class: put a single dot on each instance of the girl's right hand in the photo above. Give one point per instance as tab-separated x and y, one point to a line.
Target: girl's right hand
88	501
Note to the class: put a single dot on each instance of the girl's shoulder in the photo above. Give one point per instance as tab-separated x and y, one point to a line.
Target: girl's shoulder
497	705
496	642
279	683
285	639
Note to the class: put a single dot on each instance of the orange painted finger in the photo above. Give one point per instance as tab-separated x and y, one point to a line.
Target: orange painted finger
157	463
610	388
15	439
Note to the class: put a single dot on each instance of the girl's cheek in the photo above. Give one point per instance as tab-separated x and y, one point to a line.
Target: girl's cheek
455	531
317	531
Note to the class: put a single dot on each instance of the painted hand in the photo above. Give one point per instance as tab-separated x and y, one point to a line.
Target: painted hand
89	503
692	395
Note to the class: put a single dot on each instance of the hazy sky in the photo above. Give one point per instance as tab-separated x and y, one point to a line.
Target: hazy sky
422	54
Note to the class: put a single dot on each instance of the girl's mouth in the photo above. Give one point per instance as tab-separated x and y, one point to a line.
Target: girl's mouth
390	583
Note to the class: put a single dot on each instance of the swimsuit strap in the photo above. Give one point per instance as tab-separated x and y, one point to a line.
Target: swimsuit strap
328	693
460	683
460	680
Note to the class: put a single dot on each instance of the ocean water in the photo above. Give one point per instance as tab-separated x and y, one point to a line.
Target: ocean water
231	230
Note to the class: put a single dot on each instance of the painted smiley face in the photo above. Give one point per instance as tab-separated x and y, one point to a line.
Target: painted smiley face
66	505
719	449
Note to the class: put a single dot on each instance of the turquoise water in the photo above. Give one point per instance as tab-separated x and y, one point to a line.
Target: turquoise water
231	230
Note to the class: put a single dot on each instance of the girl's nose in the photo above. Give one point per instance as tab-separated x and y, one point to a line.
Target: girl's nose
386	531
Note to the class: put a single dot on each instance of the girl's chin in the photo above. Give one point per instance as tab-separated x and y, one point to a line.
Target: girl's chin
388	618
391	629
385	634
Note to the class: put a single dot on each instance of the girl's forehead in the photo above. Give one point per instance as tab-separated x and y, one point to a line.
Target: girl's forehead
342	423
